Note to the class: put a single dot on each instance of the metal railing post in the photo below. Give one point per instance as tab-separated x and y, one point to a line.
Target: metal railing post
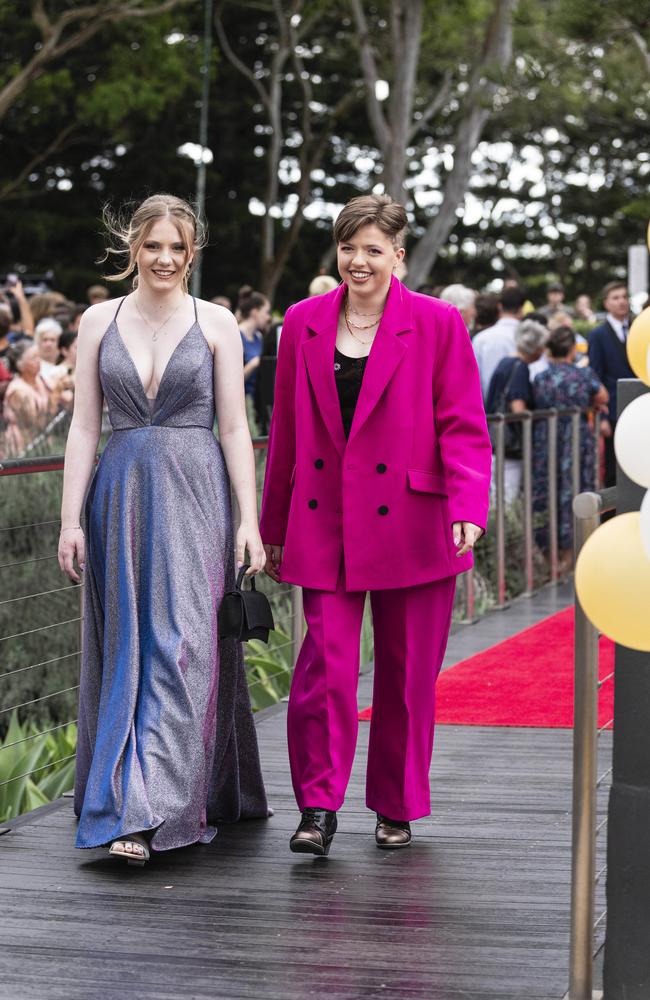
597	481
500	511
470	599
297	623
552	495
527	456
575	452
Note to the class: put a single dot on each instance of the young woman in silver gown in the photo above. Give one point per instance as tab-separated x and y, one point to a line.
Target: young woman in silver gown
167	746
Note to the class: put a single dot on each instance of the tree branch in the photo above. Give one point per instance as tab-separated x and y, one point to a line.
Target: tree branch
434	107
41	157
369	67
238	63
90	20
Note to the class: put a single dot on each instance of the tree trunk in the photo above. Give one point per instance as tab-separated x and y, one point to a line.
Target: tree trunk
497	55
394	128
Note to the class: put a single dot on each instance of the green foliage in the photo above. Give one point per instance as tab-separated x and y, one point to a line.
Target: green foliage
132	99
34	768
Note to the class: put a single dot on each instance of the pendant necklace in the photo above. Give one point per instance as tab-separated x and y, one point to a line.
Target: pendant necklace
156	330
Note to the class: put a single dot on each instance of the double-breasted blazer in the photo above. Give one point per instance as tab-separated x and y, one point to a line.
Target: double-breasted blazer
418	456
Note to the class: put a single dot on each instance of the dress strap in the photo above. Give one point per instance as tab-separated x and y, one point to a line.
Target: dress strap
124	297
196	315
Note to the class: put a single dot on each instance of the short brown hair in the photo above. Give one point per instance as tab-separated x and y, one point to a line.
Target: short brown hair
612	286
372	210
560	341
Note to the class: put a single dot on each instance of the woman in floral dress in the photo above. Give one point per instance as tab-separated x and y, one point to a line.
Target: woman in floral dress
561	386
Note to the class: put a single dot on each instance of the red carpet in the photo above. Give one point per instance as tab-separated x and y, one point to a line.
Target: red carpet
525	681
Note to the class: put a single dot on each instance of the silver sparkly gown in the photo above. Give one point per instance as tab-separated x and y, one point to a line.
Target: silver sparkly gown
166	735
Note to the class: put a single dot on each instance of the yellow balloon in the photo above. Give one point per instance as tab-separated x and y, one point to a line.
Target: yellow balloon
613	581
638	346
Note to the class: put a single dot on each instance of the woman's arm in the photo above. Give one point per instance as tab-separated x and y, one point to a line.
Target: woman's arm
26	318
250	366
223	334
83	438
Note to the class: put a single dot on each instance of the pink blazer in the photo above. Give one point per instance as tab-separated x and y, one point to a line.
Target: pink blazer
417	459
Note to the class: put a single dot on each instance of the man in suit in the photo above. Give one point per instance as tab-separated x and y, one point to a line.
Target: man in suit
608	358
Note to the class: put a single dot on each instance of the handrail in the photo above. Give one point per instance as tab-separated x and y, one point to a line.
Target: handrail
587	510
54	463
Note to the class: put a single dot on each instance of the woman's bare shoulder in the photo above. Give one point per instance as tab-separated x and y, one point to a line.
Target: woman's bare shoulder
96	320
218	324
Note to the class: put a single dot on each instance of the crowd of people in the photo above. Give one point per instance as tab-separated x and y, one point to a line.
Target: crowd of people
38	355
554	355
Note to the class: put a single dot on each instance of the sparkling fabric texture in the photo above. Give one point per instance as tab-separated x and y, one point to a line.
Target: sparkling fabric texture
166	740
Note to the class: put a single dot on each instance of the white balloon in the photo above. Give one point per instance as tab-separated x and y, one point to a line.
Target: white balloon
632	440
645	523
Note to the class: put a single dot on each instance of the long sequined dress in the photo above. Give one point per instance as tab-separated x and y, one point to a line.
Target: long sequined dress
166	735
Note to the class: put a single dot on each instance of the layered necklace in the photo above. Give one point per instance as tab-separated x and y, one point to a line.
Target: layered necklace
155	330
352	325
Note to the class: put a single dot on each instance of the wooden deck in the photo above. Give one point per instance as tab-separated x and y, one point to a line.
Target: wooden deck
477	908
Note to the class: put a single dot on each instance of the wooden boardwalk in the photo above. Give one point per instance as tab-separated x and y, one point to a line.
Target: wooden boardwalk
477	908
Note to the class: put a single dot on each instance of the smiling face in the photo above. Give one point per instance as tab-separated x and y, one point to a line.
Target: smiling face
163	258
366	260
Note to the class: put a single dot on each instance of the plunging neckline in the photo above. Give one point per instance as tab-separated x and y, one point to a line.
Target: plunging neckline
153	400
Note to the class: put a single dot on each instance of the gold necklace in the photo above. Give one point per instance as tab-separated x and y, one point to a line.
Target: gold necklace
355	312
358	326
353	334
156	330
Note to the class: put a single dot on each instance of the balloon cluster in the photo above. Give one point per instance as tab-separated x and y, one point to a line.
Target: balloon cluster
613	568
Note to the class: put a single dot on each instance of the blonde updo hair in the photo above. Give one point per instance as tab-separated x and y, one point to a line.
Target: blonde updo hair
372	210
129	234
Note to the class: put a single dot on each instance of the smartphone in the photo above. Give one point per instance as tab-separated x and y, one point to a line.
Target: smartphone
12	280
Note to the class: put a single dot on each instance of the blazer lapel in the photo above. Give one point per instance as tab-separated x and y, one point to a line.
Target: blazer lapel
318	352
386	353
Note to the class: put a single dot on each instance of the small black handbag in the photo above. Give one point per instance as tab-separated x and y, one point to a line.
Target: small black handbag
245	614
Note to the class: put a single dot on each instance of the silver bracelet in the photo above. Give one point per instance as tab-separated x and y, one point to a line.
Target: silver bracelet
76	527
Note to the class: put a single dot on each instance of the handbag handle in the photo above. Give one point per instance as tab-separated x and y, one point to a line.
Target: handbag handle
241	575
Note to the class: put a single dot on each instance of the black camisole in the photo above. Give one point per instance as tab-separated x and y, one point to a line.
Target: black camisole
348	374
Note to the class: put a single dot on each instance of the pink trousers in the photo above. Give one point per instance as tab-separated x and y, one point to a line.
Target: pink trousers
411	627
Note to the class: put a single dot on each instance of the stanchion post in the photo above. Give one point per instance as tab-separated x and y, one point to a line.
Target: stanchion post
527	455
552	495
585	725
500	510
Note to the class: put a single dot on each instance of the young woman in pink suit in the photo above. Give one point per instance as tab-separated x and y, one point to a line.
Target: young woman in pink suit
377	480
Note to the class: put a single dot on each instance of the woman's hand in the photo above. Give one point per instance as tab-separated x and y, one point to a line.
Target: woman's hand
273	561
466	535
248	538
72	548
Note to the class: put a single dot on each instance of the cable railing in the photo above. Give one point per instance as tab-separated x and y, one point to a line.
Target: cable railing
587	846
271	679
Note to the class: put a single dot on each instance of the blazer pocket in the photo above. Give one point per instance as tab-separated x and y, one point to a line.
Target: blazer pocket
427	482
